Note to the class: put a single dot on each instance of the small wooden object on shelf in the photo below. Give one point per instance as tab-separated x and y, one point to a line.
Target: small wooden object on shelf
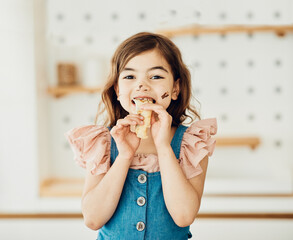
67	74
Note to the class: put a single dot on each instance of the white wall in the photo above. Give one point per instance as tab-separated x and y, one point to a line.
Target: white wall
21	93
18	159
25	108
245	82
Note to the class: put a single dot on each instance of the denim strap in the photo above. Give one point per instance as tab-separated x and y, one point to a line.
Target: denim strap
177	139
114	150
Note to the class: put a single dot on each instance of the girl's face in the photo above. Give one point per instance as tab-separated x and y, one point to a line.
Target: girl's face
146	75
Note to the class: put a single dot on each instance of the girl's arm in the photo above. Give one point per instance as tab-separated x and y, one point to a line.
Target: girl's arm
102	193
182	196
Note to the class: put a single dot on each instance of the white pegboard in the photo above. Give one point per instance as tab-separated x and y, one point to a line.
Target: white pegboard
243	80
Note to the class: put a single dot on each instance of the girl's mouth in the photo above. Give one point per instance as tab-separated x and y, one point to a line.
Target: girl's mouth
143	98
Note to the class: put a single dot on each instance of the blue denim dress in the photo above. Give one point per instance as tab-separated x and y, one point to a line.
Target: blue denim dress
141	212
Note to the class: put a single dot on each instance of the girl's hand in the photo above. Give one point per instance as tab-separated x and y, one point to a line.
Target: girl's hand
127	142
160	124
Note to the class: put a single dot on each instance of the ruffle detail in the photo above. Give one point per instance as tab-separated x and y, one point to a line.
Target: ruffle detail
146	161
196	144
91	143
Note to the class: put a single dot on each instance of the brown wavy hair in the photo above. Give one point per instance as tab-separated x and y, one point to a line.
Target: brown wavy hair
179	109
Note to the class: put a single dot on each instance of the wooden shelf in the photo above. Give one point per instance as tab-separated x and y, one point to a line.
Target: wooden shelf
55	187
251	142
59	91
196	29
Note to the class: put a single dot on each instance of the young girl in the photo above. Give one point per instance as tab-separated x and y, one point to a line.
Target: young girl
144	188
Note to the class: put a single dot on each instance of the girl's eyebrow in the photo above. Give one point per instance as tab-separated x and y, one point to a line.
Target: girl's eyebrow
158	67
150	69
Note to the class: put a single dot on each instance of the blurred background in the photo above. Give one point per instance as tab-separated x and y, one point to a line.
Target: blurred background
55	57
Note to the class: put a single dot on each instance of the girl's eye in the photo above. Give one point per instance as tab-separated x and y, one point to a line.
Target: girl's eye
157	77
129	77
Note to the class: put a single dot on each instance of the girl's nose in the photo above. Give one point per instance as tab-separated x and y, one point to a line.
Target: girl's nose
143	87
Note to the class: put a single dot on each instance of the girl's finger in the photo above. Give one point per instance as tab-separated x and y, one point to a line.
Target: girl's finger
114	130
127	122
119	129
137	118
131	120
156	108
153	119
133	115
160	113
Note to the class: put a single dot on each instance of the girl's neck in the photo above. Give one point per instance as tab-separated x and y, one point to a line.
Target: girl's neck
147	146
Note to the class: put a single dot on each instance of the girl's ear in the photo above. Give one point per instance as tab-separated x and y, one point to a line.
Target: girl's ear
176	89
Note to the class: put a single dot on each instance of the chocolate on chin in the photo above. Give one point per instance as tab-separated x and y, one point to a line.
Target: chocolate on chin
141	130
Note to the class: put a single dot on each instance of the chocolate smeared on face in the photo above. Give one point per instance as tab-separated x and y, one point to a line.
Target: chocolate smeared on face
166	94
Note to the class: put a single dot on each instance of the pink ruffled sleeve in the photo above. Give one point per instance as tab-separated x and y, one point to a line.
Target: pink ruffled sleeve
197	142
91	144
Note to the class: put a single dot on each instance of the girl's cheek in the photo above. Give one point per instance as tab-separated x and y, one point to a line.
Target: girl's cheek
165	95
124	100
165	98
